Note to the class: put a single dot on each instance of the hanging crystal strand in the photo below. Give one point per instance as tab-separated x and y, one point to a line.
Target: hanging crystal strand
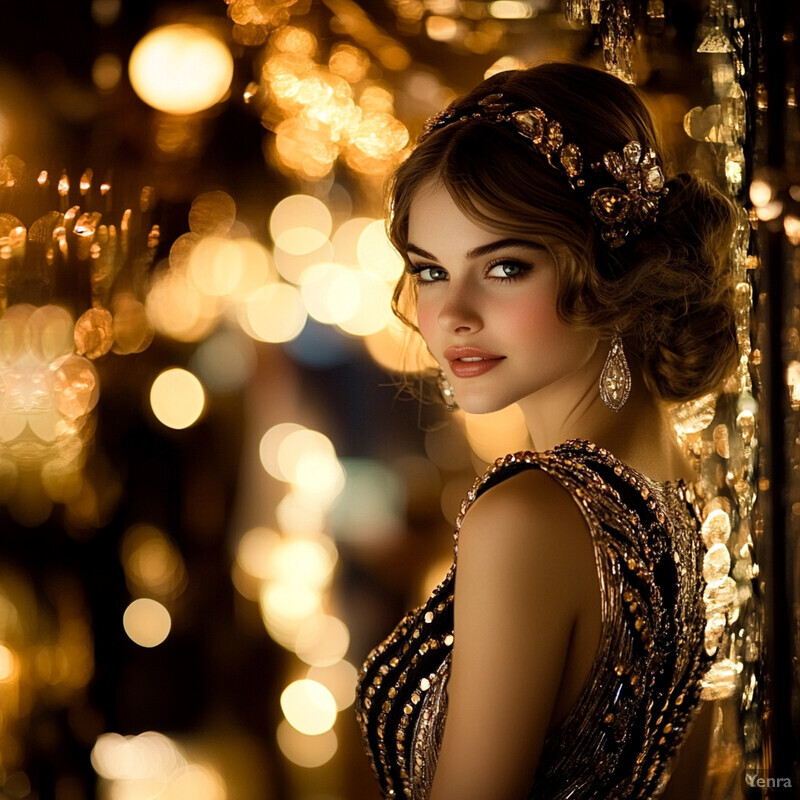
608	37
595	11
576	10
625	40
715	39
655	9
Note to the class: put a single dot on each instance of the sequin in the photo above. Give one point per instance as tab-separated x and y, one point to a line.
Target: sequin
613	744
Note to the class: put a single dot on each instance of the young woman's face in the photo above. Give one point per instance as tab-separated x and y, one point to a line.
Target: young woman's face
486	306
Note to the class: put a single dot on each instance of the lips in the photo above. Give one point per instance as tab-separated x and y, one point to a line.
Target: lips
469	362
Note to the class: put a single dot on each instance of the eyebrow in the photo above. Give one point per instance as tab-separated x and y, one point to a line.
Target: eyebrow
483	250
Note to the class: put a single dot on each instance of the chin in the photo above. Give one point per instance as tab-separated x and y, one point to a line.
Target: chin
481	405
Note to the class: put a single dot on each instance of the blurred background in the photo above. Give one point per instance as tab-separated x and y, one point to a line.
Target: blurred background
216	499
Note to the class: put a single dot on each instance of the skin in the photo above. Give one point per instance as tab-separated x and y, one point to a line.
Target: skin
477	289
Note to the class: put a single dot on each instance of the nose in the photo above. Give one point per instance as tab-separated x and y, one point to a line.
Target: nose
460	312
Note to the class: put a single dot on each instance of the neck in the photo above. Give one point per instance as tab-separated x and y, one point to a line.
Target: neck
639	434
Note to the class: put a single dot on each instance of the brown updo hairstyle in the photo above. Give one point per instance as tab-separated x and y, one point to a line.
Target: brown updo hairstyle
667	291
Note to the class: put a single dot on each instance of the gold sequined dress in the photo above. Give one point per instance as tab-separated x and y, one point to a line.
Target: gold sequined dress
644	687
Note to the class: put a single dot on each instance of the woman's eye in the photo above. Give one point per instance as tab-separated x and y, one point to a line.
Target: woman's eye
507	269
431	274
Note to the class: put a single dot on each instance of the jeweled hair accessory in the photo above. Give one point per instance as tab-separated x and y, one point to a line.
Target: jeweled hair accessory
625	206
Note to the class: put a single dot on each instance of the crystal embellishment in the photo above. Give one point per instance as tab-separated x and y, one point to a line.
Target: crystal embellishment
571	160
620	206
615	379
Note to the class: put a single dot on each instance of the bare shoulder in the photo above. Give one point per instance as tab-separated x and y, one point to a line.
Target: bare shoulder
531	509
524	551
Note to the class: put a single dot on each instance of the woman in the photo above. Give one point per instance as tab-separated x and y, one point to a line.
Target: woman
550	263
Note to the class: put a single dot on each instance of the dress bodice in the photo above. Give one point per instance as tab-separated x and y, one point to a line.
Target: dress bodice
643	690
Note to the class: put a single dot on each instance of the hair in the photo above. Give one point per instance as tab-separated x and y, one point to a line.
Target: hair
667	291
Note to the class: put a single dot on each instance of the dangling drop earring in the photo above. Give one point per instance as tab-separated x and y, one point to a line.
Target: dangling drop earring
615	379
446	390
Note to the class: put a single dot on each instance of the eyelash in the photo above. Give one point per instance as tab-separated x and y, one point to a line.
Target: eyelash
524	269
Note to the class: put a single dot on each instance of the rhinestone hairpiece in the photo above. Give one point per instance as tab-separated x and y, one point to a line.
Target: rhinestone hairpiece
626	205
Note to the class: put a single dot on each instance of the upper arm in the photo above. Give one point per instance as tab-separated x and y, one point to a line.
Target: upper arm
516	602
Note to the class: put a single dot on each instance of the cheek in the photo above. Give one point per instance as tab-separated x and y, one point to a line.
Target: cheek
536	321
426	317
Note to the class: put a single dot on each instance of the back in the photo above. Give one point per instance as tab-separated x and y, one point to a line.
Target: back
633	712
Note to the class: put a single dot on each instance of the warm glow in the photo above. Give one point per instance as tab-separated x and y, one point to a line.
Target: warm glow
274	313
350	62
76	386
270	444
309	707
377	255
297	517
791	226
309	462
106	72
255	551
146	622
322	640
284	606
346	238
152	562
330	292
153	766
760	193
292	266
441	29
374	305
398	349
216	266
300	211
181	69
298	562
177	398
148	755
493	435
510	9
340	679
793	382
51	332
504	64
301	241
9	665
177	308
306	751
299	444
212	214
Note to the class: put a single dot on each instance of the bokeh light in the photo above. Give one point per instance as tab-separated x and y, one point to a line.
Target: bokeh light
273	313
322	640
152	562
309	707
270	444
181	69
300	212
303	750
330	292
340	679
106	72
177	398
377	255
255	550
146	622
9	664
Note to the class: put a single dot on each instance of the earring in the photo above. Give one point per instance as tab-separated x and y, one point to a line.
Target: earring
446	390
615	379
